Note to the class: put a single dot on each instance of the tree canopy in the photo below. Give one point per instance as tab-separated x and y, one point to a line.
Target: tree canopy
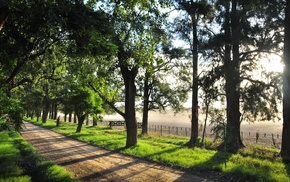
84	57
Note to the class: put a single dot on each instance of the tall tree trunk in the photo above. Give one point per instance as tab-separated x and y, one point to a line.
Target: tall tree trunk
285	148
207	103
69	117
46	105
75	118
95	123
80	123
233	141
130	113
51	110
65	117
38	114
194	108
58	121
55	109
87	120
145	105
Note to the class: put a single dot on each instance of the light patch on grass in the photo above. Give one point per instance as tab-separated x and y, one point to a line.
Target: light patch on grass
19	163
17	179
58	174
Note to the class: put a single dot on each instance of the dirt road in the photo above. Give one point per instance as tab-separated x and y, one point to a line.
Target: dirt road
89	163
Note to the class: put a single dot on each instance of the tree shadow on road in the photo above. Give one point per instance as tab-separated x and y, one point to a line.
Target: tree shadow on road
91	157
113	171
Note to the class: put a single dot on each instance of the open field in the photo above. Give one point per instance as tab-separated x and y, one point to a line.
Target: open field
183	120
248	131
269	133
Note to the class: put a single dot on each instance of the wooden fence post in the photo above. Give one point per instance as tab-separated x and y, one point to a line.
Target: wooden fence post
273	140
257	137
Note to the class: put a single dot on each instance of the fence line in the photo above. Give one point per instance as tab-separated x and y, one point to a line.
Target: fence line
266	139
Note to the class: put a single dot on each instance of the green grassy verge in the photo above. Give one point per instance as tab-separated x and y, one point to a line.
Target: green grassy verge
19	163
252	164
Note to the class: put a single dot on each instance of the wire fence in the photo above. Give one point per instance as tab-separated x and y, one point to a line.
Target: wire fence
265	139
256	138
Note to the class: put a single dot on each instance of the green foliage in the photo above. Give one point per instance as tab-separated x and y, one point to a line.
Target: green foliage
4	126
33	27
48	171
85	101
218	123
17	179
11	111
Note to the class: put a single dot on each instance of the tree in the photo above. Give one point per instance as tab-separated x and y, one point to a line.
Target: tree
243	40
32	101
132	21
196	11
232	75
85	102
285	147
11	111
33	27
164	83
210	93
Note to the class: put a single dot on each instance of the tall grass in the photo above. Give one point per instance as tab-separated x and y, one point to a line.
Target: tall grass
19	163
255	164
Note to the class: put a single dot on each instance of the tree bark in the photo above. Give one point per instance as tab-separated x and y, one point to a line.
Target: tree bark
80	123
70	117
75	118
285	146
207	103
194	108
232	141
145	106
46	105
130	113
87	120
95	123
51	110
55	109
58	121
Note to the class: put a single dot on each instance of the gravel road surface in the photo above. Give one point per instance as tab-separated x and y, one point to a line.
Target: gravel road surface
90	163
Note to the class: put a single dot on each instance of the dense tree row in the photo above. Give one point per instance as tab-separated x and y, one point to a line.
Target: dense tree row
85	57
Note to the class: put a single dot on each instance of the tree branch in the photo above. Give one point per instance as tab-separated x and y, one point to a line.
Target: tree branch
111	104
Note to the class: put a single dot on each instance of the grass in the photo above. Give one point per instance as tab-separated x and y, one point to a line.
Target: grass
19	163
257	163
